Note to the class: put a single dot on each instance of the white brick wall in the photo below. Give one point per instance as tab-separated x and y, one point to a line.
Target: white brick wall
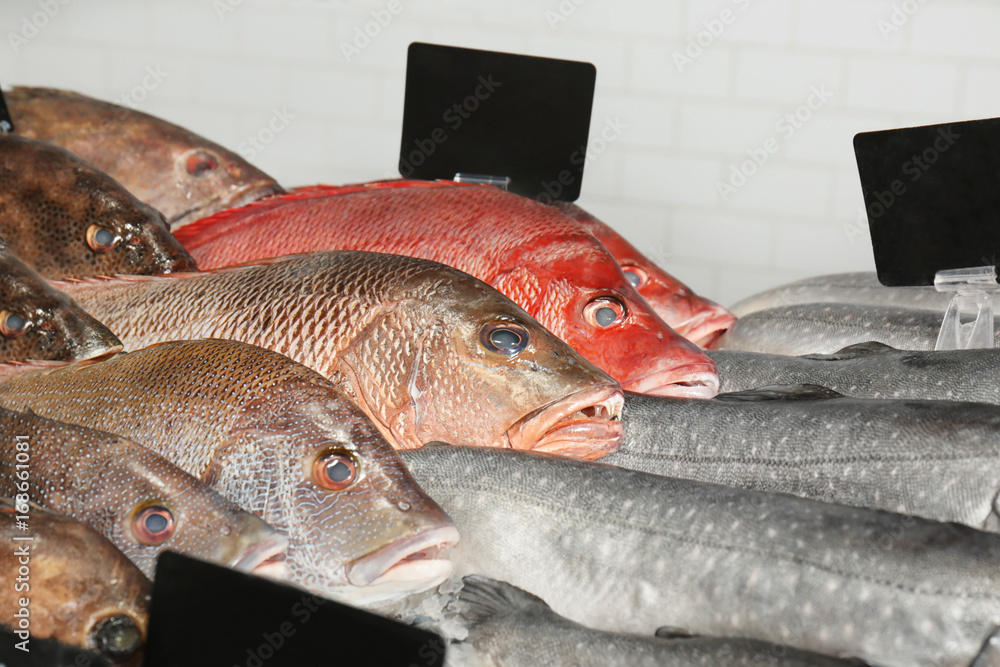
889	63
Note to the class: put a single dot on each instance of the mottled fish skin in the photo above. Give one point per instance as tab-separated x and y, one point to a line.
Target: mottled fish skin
513	628
402	336
114	485
83	591
543	261
39	323
699	320
625	551
860	288
177	172
66	219
824	328
871	370
260	429
935	459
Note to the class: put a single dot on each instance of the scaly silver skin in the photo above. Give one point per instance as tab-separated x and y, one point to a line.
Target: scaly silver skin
871	370
625	551
935	459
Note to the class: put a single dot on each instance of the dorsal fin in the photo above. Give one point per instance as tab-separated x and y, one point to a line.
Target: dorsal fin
781	392
857	351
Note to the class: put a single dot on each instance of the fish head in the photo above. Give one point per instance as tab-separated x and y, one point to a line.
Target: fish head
577	290
359	527
41	324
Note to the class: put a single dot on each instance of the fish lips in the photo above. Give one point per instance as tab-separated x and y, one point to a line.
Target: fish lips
408	565
699	380
265	558
705	328
236	199
583	425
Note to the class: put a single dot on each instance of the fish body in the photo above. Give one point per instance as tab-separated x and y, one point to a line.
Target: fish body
38	323
177	172
278	440
132	496
66	219
428	352
543	261
699	320
871	370
625	551
80	589
935	459
513	628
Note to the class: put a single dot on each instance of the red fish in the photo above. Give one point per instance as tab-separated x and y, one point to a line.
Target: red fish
530	252
697	319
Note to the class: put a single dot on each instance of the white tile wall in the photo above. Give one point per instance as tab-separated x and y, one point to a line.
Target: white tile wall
889	63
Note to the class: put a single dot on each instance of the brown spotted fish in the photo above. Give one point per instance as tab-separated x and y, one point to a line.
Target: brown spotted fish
177	172
38	323
132	496
276	438
80	589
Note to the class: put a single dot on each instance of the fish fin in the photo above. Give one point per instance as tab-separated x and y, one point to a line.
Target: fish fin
989	654
671	632
856	351
781	392
123	278
483	598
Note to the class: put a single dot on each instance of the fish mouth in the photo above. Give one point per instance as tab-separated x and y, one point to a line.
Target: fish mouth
409	565
266	558
235	199
689	381
706	328
585	425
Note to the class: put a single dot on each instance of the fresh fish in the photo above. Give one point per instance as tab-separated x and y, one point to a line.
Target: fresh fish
560	274
428	352
39	323
824	328
625	551
80	589
697	319
66	219
278	440
514	628
860	288
175	171
132	496
935	459
871	370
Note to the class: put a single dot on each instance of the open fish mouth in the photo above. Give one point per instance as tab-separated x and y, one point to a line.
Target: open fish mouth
265	558
705	328
235	199
689	381
584	425
409	565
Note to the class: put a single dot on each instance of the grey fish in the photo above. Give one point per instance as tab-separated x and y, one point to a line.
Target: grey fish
935	459
626	551
861	288
514	628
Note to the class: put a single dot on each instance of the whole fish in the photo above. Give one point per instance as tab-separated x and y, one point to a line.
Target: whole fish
625	551
132	496
80	590
514	628
66	219
278	440
699	320
559	273
38	323
935	459
871	370
428	352
861	288
177	172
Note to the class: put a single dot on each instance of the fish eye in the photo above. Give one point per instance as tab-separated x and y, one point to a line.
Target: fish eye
335	470
506	338
12	325
635	276
604	311
200	164
116	636
100	239
153	525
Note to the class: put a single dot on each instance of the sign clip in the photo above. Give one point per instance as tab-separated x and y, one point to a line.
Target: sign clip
974	288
